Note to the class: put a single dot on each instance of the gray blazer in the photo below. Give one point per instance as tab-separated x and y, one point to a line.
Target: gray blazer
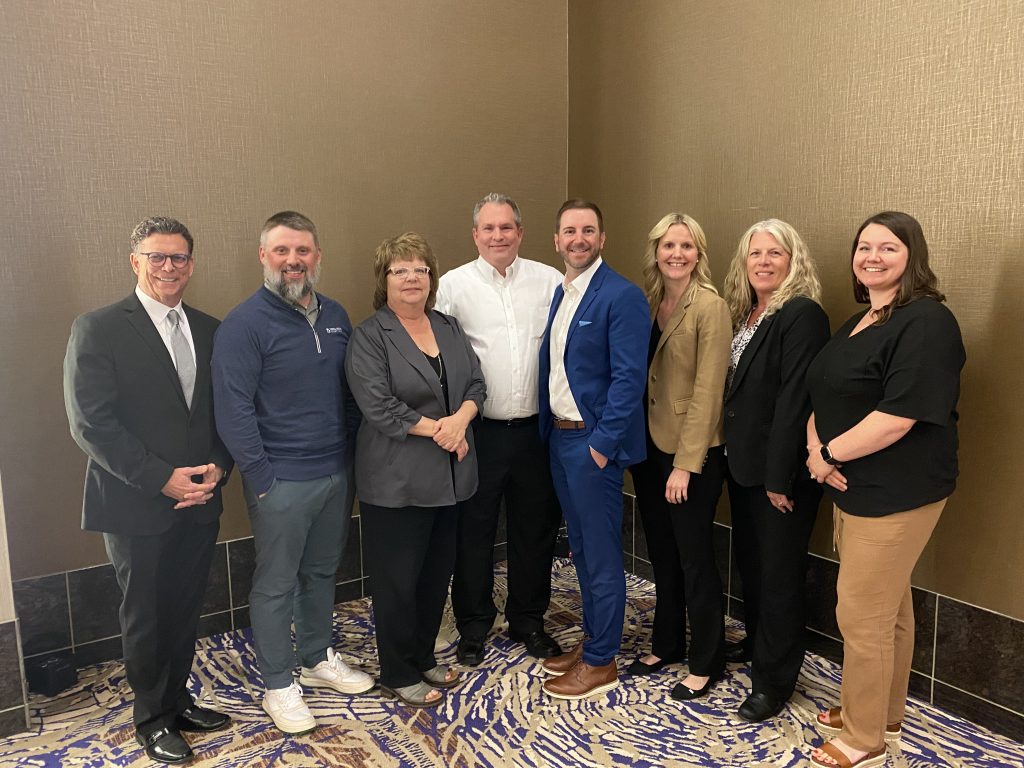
394	387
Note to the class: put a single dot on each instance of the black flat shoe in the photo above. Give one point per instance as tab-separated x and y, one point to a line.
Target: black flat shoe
760	706
165	746
539	644
737	653
682	693
470	652
201	719
639	668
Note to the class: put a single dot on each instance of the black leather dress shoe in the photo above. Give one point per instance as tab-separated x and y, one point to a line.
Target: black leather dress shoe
470	651
539	644
760	706
737	653
197	718
165	746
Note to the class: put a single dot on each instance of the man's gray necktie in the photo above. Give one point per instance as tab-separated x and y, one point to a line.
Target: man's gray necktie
182	357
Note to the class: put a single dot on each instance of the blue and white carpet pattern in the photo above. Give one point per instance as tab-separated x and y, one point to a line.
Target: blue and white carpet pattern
499	716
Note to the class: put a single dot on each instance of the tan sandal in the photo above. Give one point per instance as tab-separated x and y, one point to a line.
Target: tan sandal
439	677
870	760
831	723
414	695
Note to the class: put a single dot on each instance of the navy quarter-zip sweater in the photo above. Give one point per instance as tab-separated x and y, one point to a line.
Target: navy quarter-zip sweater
281	402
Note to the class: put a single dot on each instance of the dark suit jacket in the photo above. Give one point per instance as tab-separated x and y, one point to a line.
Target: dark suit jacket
128	413
606	364
394	386
767	405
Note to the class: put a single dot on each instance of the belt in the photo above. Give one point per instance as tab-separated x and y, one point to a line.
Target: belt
568	424
512	422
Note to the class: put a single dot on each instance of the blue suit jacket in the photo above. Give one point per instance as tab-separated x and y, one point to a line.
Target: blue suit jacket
606	364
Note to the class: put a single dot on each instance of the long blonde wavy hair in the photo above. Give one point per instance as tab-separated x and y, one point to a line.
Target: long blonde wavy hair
654	283
802	279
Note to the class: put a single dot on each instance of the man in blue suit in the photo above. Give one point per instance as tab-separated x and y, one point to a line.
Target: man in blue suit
593	367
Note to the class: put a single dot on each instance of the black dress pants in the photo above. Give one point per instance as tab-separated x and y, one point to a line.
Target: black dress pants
512	465
163	580
771	554
409	553
680	544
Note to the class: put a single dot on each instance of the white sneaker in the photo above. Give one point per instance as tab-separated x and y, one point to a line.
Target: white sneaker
288	711
336	675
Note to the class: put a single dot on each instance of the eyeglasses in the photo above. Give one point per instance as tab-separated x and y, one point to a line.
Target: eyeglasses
158	259
403	272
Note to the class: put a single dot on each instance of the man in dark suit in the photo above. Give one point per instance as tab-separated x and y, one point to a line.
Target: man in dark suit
593	367
139	399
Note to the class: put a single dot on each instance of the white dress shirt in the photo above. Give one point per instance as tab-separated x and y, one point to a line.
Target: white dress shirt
158	314
563	404
504	318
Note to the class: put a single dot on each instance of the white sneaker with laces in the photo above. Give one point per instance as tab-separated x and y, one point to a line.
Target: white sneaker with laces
288	711
336	675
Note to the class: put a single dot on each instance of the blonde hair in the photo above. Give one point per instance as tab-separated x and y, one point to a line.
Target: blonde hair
802	279
654	283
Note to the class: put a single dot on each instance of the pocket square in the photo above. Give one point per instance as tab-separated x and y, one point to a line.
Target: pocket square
584	322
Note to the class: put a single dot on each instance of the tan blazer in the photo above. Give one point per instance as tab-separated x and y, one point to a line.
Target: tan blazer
686	379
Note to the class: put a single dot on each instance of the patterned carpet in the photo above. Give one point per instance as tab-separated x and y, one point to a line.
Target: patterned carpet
498	717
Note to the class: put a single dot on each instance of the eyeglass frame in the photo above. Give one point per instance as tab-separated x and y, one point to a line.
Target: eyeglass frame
403	272
178	260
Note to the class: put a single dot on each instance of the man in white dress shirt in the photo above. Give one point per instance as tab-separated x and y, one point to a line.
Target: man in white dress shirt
502	302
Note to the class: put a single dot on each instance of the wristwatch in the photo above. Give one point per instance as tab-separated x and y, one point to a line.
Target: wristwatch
827	456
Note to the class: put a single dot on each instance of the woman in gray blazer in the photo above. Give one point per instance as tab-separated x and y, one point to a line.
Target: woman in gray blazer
418	384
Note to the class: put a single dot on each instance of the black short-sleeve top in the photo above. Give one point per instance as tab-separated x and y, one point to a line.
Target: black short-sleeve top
908	367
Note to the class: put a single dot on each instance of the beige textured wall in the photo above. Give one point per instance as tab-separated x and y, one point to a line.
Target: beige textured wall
371	117
822	114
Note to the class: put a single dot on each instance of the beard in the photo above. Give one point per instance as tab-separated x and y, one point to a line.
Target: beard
573	259
292	291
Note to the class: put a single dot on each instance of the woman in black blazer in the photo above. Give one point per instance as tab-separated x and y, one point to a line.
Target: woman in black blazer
772	291
418	384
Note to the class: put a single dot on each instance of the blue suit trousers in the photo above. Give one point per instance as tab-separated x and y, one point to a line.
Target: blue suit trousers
591	500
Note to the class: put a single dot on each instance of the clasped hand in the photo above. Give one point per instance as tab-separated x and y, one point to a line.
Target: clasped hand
450	434
187	493
824	472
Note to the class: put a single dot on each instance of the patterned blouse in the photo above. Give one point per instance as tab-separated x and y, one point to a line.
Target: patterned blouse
739	343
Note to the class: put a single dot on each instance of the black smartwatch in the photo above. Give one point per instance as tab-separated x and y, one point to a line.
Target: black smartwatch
827	456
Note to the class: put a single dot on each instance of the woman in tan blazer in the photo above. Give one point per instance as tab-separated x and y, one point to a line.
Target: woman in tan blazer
678	485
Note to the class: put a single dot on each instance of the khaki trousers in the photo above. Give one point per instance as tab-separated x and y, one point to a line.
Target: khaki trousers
875	614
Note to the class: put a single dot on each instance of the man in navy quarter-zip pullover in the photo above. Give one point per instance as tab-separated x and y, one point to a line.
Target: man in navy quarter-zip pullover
284	411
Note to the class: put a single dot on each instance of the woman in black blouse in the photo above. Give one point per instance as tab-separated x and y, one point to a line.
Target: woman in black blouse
772	290
883	438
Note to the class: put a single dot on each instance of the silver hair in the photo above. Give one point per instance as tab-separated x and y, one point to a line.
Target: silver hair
498	199
159	225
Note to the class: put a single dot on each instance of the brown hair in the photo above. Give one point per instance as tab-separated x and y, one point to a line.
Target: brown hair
917	281
406	247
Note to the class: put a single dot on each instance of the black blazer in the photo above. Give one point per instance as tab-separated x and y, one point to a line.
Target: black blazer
128	413
767	405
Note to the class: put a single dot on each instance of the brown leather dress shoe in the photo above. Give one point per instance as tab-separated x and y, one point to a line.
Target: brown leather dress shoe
559	665
582	681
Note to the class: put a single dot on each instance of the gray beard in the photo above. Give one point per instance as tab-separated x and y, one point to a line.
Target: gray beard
291	292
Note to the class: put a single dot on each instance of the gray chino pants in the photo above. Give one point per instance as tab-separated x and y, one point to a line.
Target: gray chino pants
299	529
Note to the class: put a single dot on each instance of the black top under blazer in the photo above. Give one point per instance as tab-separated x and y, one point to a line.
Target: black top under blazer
128	413
394	386
767	405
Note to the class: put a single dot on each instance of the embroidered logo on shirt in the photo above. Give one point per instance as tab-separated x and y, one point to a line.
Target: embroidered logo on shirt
334	330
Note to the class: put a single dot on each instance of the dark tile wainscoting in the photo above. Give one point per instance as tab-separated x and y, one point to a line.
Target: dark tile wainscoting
13	709
967	660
